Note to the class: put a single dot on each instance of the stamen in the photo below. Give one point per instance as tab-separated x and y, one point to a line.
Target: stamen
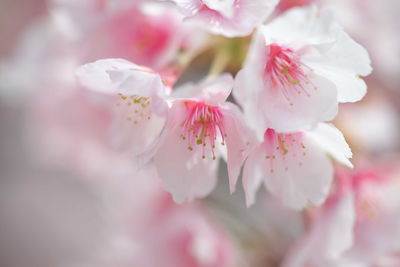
280	144
202	126
138	107
284	70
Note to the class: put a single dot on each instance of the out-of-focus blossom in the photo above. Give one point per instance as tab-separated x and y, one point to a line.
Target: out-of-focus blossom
371	126
227	17
145	144
359	224
140	108
299	67
83	16
14	16
150	34
199	122
147	33
41	44
363	17
103	125
295	167
180	235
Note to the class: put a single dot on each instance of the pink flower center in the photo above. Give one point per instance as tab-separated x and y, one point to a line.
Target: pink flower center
287	4
140	37
280	146
225	8
284	70
203	124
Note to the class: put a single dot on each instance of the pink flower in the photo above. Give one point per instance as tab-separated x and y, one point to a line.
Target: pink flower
295	167
331	234
149	222
298	68
140	108
358	225
227	17
147	34
199	124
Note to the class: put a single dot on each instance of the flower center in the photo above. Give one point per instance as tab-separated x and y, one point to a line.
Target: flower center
279	146
285	70
138	107
202	126
288	4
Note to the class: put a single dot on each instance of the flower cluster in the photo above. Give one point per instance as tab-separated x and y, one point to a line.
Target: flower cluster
299	67
180	112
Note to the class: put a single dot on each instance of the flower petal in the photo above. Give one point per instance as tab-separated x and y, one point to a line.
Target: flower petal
188	7
136	129
232	21
225	7
299	179
185	174
332	141
253	174
302	26
119	76
213	91
330	236
343	62
239	141
292	108
248	79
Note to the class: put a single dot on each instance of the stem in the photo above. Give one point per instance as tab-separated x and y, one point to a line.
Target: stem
219	63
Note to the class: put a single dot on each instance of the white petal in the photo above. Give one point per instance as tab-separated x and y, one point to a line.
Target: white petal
343	62
240	21
253	174
119	76
185	174
299	179
239	141
301	26
337	227
225	7
350	86
245	92
212	91
188	7
248	81
332	141
330	236
347	55
290	109
135	129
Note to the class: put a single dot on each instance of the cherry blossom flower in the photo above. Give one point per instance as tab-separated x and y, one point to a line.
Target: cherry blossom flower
140	108
377	118
337	215
148	34
298	68
358	225
227	17
151	222
295	167
199	123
